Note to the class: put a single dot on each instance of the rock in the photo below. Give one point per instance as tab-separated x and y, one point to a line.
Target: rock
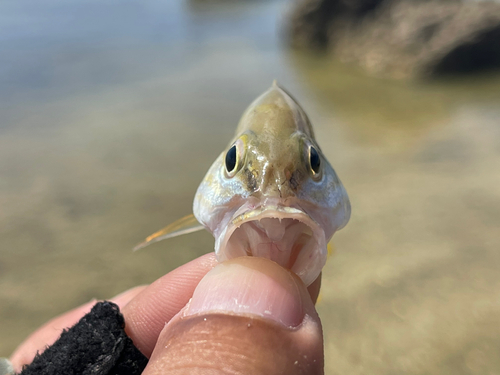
311	20
402	38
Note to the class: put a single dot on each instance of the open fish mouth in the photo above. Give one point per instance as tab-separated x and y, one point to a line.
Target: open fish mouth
285	235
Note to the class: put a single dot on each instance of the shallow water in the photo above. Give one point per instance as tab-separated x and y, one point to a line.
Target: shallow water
110	116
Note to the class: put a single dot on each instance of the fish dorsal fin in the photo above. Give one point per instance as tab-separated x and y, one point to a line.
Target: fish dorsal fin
185	225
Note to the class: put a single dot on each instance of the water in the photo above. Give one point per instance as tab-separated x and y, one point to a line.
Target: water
111	113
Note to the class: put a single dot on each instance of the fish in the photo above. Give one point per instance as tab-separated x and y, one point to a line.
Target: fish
271	193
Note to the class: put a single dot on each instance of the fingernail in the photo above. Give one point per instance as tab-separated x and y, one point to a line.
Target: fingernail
250	286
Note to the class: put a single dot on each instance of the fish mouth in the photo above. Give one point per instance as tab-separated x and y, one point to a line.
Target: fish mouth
285	235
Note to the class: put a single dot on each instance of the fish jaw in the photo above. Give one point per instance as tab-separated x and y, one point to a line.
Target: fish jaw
284	234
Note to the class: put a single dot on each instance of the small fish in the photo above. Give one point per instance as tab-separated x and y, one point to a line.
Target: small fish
271	193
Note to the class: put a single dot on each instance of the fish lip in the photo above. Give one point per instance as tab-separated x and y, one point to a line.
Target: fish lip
310	259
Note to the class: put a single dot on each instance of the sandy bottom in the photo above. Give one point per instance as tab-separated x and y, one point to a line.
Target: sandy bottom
103	142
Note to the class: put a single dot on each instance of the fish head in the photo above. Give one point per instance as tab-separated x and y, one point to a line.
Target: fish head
272	193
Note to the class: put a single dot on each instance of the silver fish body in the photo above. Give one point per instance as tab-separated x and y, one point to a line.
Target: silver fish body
272	193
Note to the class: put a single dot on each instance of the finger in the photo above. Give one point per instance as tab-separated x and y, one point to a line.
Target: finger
124	298
47	334
247	315
147	314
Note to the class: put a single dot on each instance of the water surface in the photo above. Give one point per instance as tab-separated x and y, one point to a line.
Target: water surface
111	113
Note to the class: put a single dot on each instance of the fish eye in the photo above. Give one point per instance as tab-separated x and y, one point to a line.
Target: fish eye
314	161
231	159
235	156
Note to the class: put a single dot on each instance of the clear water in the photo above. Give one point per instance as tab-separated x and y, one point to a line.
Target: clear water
111	113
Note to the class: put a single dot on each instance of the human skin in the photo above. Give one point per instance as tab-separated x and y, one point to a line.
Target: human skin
245	316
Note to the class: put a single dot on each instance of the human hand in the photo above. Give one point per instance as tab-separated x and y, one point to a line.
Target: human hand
248	316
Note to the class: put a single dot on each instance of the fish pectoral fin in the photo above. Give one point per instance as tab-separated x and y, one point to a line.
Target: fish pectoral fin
331	249
185	225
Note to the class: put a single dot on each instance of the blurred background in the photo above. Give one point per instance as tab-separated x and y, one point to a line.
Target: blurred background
111	113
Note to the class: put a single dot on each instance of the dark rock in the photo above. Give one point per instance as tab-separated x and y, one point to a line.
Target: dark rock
311	20
401	38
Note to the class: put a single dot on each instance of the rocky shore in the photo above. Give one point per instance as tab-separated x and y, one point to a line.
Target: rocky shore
401	38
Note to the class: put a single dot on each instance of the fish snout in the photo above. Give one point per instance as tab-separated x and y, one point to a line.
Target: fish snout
277	182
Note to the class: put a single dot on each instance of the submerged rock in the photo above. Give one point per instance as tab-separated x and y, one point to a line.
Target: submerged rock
401	38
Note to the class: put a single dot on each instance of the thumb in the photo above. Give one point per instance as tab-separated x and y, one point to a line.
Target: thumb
247	316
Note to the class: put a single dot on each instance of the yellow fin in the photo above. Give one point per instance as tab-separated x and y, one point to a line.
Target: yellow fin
185	225
331	249
319	299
